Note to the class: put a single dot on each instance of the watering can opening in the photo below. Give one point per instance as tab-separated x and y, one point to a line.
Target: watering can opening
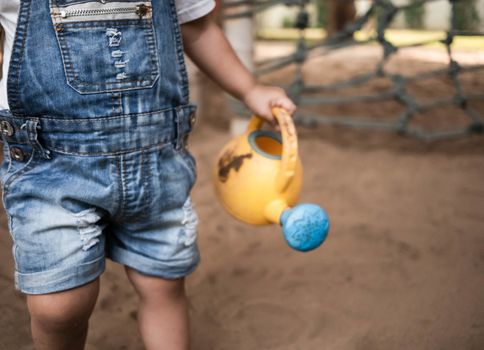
266	143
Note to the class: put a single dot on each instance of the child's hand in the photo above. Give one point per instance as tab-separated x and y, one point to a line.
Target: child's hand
261	99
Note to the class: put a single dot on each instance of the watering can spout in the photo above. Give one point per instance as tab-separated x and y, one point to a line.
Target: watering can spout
305	226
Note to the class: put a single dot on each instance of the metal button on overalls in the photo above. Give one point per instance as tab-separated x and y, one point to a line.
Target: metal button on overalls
6	128
17	154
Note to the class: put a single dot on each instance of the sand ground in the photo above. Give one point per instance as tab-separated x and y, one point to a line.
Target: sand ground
403	267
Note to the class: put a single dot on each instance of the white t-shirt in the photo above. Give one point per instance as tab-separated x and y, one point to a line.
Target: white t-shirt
188	10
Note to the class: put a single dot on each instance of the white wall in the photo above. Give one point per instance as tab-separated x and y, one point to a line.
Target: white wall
480	8
362	6
274	17
437	15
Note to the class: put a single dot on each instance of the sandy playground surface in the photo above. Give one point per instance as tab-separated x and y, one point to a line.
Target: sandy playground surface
403	267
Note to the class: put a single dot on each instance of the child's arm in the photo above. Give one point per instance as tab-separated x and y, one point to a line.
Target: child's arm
206	45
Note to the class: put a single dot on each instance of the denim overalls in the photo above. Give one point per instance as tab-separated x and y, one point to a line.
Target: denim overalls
95	159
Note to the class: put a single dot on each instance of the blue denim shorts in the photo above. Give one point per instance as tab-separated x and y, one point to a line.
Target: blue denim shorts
77	191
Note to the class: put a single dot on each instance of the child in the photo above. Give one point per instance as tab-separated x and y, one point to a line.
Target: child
95	165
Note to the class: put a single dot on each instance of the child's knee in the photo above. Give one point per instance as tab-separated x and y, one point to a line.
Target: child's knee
64	310
155	288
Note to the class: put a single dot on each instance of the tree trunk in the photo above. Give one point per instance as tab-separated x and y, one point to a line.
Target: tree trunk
341	12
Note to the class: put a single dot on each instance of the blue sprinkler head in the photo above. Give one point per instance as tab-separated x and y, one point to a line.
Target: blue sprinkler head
305	226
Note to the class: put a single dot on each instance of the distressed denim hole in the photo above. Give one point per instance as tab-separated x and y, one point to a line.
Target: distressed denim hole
190	223
89	228
114	37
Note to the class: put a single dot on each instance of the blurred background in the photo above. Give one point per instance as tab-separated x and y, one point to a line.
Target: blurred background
390	117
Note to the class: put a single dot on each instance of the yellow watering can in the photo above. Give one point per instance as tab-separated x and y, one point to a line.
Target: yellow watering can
258	179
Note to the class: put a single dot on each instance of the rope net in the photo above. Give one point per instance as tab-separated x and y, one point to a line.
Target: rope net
317	95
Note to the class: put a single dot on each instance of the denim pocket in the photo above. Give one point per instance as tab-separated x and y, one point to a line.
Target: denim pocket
188	161
106	46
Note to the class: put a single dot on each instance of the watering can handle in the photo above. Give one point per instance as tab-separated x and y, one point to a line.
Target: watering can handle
289	145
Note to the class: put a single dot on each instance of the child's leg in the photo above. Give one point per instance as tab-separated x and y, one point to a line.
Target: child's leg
60	320
162	312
